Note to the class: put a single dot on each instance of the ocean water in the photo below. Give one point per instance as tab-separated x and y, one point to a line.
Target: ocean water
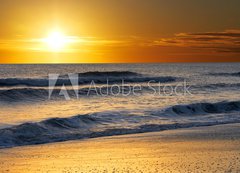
113	99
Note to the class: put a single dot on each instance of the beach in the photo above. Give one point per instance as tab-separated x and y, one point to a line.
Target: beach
197	149
176	118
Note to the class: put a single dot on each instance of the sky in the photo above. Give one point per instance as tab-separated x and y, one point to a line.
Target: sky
124	31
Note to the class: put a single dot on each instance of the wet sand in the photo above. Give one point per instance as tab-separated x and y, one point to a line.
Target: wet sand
204	149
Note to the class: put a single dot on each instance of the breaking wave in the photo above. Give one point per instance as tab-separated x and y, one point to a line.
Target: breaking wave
204	108
113	123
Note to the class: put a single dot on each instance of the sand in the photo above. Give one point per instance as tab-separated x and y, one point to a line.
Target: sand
204	149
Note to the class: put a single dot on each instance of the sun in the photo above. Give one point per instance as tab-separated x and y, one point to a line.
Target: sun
56	41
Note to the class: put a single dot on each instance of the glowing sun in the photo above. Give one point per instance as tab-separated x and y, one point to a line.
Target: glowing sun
56	41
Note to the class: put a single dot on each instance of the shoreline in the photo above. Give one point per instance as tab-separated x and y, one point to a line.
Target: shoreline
198	149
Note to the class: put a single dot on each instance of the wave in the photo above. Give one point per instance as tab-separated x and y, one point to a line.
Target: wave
195	88
31	95
19	95
204	108
236	74
220	85
108	74
40	94
113	123
87	78
24	94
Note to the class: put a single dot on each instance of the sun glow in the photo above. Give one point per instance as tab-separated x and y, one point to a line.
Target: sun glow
56	41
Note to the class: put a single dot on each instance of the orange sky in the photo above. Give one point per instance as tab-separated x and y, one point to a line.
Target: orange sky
109	31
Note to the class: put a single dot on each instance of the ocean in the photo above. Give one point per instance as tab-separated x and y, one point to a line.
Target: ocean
113	99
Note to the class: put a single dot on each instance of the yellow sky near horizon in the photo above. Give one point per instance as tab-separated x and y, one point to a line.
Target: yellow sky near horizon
108	31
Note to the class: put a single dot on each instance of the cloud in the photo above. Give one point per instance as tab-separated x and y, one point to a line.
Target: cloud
227	41
205	43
